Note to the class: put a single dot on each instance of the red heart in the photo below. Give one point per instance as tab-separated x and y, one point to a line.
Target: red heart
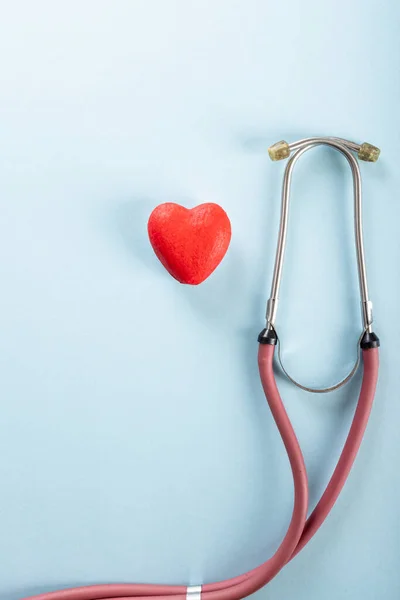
190	243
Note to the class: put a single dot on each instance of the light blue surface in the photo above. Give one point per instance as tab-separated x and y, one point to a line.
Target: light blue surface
136	444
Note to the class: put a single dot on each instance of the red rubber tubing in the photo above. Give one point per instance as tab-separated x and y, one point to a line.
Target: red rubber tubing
300	529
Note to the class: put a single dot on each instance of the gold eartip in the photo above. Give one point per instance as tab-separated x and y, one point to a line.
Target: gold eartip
279	151
368	152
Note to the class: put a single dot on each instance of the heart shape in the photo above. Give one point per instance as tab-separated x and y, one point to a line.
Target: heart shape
190	243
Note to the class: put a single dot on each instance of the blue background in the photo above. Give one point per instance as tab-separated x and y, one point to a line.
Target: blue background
135	441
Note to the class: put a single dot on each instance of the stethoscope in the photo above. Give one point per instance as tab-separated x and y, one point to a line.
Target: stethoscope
301	529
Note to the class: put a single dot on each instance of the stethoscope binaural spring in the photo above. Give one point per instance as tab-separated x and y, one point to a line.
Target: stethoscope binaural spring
282	150
302	526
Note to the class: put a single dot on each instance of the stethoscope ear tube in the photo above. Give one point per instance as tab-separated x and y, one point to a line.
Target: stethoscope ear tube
293	152
300	530
370	359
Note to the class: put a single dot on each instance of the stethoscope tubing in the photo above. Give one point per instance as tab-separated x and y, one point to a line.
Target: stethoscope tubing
300	529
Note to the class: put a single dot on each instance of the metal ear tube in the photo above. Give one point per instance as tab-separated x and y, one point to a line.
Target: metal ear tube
282	150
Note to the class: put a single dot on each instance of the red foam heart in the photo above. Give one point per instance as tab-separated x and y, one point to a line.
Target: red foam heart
190	243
